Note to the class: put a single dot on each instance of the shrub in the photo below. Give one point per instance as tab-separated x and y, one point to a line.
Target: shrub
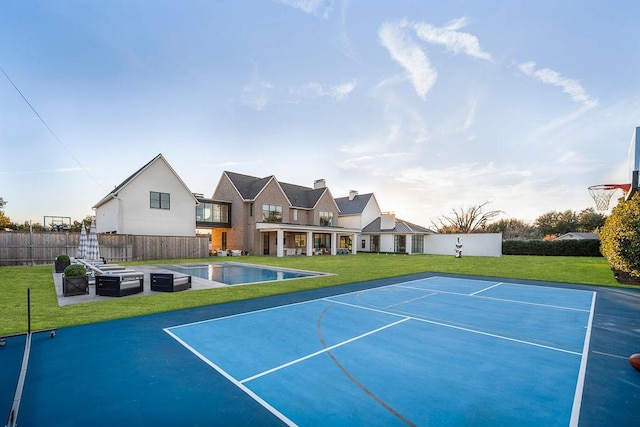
620	237
590	247
63	258
75	270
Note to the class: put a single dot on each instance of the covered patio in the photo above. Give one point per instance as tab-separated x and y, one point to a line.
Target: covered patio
293	239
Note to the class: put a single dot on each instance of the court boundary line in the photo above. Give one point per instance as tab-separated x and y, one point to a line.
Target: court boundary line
473	331
559	307
485	289
234	381
577	399
324	350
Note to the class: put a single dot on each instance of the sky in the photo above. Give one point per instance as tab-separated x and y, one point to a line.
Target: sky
433	106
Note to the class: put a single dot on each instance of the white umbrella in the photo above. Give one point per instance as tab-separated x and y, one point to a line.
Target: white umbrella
82	247
93	250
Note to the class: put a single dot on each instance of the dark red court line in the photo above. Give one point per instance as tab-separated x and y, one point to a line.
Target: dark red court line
354	380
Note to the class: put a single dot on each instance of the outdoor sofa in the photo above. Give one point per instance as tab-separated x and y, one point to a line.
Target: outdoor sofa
169	282
119	284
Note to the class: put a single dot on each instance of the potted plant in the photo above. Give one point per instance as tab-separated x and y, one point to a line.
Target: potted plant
75	280
62	262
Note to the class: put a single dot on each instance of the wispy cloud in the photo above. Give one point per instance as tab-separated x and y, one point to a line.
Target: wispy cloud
455	41
571	87
409	55
312	7
397	37
319	90
256	93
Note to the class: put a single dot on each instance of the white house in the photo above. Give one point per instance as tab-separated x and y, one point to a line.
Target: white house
380	232
152	201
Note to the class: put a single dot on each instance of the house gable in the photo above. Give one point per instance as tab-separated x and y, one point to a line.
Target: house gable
127	209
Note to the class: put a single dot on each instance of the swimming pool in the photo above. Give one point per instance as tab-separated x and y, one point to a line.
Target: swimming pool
238	274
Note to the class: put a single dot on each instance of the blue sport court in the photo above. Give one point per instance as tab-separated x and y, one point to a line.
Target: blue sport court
421	350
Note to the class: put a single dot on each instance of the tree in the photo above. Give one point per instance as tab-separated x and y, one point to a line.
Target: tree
5	221
512	229
620	237
472	220
557	223
590	221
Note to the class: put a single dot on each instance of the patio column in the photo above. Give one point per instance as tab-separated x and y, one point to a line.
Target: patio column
280	243
409	243
354	243
334	243
309	243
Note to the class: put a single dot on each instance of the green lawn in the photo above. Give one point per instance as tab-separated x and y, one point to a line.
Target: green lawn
46	313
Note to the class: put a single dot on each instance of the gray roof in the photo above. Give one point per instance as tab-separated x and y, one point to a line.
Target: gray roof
298	196
401	227
248	186
354	206
578	236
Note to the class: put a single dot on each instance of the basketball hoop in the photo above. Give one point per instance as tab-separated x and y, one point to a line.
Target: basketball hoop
602	193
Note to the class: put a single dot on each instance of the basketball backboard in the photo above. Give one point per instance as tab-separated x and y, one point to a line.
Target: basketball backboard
57	223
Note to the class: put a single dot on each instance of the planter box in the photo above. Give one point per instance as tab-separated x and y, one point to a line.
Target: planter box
60	266
625	278
75	285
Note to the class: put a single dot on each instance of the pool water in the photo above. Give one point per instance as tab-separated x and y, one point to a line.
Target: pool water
237	274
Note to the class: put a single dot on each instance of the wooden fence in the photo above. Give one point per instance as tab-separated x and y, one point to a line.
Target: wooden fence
36	248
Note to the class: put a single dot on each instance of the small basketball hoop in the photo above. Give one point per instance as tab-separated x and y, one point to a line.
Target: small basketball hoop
602	193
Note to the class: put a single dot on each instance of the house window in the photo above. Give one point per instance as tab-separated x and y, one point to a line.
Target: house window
300	240
399	243
364	244
295	214
375	243
160	200
417	244
224	241
326	218
271	213
212	212
250	209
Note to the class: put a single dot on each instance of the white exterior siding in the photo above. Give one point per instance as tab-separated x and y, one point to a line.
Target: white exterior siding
108	217
370	212
130	212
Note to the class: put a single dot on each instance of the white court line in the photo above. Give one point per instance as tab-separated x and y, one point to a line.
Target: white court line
412	299
577	399
560	307
238	384
461	328
486	289
324	350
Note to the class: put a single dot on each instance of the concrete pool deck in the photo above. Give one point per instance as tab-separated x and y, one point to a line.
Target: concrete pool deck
196	284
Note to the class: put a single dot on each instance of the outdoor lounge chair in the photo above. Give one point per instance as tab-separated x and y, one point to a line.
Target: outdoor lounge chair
169	282
119	284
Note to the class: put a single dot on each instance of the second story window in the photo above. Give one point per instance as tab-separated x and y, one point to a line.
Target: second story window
326	218
160	200
271	213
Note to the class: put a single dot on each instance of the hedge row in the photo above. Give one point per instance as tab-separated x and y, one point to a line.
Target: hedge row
590	247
